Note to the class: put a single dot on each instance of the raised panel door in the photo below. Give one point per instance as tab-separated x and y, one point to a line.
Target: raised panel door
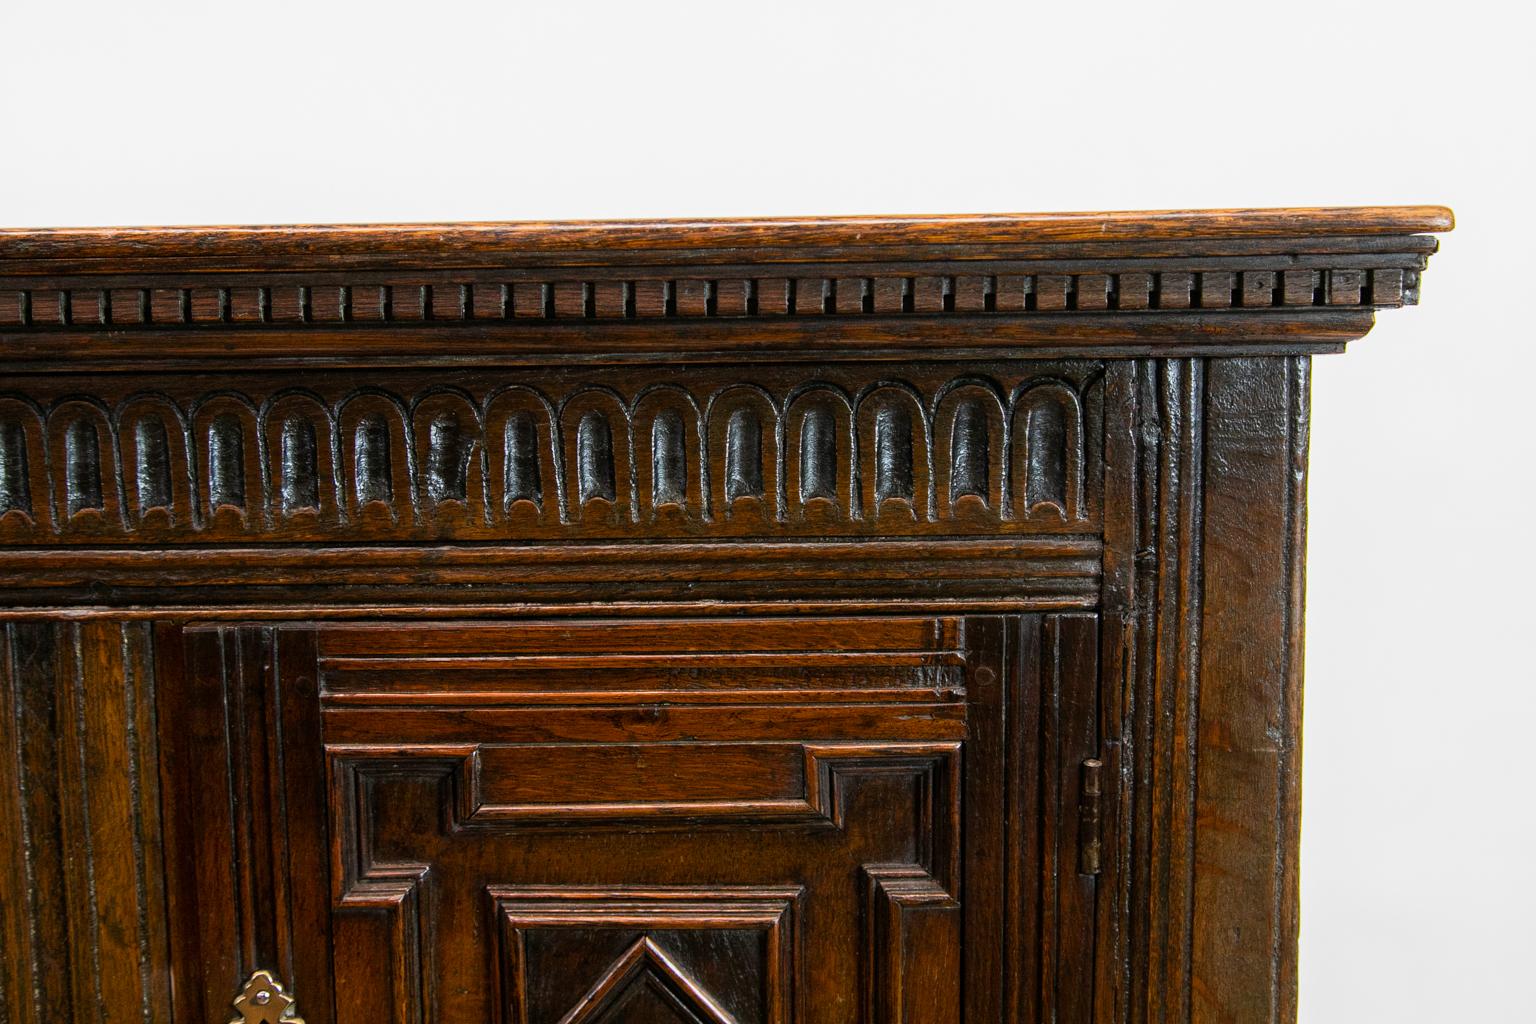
751	820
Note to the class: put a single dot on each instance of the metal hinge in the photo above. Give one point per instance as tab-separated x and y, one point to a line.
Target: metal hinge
1090	798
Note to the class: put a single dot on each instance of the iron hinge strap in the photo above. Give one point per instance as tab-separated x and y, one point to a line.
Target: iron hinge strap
1090	800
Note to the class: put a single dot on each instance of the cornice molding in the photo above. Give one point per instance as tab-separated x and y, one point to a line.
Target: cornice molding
763	235
1113	284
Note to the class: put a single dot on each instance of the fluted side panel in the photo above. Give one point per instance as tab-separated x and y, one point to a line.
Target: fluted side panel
82	922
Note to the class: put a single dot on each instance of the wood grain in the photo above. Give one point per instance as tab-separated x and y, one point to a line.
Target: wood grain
764	237
83	919
800	621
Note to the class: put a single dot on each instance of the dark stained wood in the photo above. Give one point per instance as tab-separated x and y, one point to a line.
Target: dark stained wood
1099	284
1247	760
817	340
877	620
83	920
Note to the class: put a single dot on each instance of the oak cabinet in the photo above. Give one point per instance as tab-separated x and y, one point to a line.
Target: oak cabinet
882	621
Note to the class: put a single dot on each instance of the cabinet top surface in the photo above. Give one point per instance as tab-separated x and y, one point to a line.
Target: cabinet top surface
1167	283
757	235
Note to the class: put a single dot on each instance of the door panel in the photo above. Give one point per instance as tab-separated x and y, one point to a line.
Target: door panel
746	820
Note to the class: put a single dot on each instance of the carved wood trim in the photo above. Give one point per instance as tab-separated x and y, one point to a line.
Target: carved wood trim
773	910
1238	281
710	455
1367	281
669	579
361	880
385	901
912	936
1099	416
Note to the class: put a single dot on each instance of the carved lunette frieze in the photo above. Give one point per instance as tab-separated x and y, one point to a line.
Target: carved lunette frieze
1008	448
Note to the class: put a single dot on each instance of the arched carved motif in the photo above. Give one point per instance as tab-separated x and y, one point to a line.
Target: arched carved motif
670	458
599	465
730	458
226	458
82	446
523	451
744	434
1047	452
300	440
968	447
819	453
895	465
450	457
378	463
26	495
155	439
228	464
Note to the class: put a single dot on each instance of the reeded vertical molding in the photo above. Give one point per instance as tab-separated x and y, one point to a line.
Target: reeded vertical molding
1154	470
1202	612
85	936
1175	690
1120	642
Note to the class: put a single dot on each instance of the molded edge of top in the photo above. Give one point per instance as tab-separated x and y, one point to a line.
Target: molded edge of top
768	233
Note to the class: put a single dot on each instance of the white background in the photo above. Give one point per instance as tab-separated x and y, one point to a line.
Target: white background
1418	840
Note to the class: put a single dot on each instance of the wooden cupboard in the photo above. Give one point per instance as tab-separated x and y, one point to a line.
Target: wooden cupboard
882	620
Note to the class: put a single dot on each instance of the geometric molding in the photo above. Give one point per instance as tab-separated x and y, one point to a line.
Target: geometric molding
650	926
912	935
364	882
646	970
828	768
